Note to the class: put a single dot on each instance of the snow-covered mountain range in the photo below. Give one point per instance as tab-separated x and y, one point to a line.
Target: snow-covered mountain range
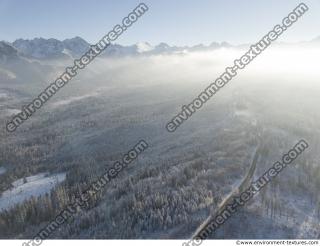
7	52
40	48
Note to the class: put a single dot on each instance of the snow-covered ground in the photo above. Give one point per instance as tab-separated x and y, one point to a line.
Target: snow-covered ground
34	186
2	170
73	99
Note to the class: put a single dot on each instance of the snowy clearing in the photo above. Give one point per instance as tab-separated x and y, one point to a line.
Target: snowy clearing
32	186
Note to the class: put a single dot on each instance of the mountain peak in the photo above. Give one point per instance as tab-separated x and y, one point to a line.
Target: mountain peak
42	48
39	47
7	52
76	45
74	38
143	47
163	45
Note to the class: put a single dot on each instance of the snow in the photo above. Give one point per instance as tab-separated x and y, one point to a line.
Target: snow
34	186
73	99
51	48
39	47
143	47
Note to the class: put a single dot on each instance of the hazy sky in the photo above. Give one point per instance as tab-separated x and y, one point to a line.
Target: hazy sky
179	22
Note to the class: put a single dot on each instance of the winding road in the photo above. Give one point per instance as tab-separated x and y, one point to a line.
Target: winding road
244	184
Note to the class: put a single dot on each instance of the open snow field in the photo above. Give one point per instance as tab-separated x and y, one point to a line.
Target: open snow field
33	186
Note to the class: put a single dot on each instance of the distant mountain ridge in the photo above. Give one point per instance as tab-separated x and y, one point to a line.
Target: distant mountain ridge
7	52
40	48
